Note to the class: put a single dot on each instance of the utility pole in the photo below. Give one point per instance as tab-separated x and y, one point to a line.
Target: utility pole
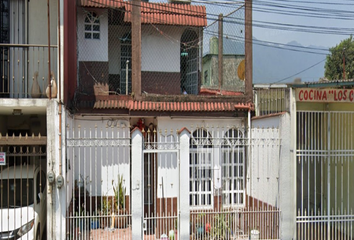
221	52
136	48
248	51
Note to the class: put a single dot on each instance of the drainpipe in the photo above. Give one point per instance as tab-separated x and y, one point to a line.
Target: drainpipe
249	126
59	91
49	70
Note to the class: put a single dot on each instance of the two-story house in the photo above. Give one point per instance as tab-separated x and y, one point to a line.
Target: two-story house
146	151
28	65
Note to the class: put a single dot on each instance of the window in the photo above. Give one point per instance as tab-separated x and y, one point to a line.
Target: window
233	170
16	193
200	170
4	51
92	26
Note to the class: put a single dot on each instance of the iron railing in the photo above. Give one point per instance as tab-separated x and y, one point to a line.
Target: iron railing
24	70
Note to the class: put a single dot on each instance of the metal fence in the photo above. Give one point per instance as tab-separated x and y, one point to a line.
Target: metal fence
233	179
161	169
324	174
98	173
271	100
22	186
24	70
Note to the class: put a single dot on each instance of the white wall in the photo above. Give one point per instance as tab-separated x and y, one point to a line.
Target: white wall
167	167
38	24
266	122
271	170
160	48
92	49
263	168
100	165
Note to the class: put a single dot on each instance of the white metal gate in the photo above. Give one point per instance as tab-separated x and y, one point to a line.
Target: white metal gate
98	176
23	186
234	190
325	143
161	184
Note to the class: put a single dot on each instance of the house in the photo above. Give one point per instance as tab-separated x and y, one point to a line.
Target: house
145	158
318	171
233	67
128	154
29	59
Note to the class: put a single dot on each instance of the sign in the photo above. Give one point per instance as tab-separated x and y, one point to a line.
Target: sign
324	95
2	158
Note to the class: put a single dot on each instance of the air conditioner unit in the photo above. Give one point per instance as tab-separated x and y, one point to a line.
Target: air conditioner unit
180	1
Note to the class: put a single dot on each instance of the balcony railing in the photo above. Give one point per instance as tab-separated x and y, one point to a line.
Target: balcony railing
24	70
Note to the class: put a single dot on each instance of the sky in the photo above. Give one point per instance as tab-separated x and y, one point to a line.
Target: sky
315	24
276	12
328	14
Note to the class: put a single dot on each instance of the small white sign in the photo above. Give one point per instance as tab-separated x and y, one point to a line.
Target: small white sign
2	158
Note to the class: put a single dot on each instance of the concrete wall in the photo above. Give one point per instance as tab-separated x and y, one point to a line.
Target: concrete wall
92	49
167	168
158	53
100	166
271	172
160	48
263	168
231	81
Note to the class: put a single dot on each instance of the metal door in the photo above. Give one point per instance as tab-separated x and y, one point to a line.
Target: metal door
161	184
325	143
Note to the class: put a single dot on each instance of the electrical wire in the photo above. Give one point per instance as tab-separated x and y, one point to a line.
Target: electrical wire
304	70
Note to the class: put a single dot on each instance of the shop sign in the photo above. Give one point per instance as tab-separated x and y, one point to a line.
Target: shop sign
324	95
2	158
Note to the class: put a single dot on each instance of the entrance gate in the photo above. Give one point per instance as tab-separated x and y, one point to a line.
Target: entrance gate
98	176
325	167
161	183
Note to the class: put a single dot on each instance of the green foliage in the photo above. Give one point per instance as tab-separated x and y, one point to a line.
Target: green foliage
334	61
119	193
221	227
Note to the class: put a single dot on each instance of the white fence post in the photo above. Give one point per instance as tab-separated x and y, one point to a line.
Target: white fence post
137	185
183	228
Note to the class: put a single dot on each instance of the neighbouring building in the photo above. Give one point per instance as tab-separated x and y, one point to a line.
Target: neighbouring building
27	116
318	201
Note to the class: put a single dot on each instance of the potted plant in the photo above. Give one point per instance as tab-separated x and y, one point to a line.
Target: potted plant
221	229
120	220
199	226
106	212
95	223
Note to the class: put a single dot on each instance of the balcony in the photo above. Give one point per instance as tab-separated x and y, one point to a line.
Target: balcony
24	70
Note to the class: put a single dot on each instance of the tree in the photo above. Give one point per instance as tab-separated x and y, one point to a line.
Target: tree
334	62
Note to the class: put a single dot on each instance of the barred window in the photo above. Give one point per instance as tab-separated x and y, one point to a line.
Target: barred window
92	26
233	168
200	170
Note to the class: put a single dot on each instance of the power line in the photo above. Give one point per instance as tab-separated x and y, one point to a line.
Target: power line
299	72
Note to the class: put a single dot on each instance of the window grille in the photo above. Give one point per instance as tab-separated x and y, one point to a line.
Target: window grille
92	26
233	155
201	173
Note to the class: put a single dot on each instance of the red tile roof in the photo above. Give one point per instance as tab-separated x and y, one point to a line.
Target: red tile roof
157	13
102	3
172	106
207	91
